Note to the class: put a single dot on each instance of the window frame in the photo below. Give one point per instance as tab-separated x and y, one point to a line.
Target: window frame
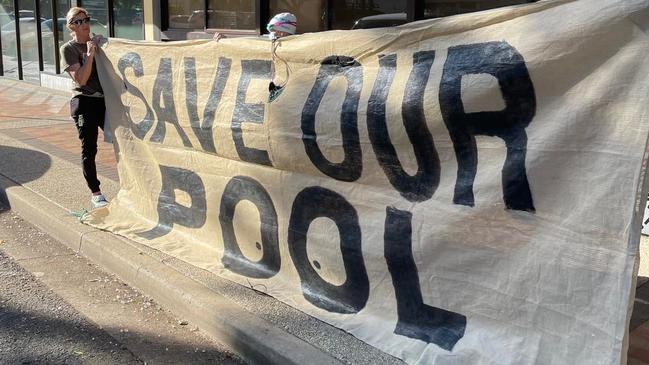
414	11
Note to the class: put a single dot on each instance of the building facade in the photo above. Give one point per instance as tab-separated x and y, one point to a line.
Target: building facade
31	31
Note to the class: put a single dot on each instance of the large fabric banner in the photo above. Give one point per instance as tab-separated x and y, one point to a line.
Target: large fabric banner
465	190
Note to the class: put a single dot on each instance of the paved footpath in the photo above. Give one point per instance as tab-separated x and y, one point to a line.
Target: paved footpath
40	173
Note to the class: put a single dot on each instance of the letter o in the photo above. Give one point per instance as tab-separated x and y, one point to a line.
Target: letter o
244	188
352	295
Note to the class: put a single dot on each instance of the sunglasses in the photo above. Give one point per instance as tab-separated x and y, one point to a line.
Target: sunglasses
80	21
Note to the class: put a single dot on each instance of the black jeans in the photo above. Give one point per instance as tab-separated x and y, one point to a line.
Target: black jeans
88	114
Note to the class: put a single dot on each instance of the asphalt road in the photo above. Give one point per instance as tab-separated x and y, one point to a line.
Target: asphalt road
40	327
58	308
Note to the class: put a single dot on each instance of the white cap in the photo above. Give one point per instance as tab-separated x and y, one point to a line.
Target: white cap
283	22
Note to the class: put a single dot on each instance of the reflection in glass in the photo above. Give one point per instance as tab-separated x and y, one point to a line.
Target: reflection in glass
184	14
129	19
62	7
47	36
440	8
347	12
8	34
311	14
98	12
230	14
50	47
29	41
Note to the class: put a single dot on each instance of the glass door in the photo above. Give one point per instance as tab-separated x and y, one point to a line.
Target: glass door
29	40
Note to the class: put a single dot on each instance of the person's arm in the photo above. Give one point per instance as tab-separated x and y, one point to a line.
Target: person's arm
79	73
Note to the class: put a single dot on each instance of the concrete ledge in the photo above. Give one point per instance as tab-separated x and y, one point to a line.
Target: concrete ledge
253	338
57	82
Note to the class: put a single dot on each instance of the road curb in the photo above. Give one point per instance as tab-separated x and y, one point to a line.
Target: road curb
254	339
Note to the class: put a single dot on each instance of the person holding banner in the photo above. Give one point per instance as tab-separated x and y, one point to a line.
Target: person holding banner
87	106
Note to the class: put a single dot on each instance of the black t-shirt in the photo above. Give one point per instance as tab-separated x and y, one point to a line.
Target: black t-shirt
72	53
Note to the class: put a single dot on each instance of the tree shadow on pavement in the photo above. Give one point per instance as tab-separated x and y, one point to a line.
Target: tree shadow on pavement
19	166
31	337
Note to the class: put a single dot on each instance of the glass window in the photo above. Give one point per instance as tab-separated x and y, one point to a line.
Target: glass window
62	7
129	19
50	46
231	14
98	13
47	36
185	14
8	34
311	14
347	12
29	41
440	8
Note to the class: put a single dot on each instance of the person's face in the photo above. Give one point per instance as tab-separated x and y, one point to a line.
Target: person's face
80	24
280	34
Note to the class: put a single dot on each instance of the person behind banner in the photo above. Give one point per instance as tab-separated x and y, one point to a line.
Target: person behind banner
87	106
281	25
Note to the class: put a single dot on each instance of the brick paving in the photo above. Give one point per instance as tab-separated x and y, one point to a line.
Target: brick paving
62	141
22	101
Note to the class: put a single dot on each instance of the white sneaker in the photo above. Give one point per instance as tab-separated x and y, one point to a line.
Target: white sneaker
98	201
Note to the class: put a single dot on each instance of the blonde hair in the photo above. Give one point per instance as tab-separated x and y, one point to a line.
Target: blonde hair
72	13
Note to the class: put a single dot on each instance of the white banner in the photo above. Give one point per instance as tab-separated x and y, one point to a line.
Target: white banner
465	190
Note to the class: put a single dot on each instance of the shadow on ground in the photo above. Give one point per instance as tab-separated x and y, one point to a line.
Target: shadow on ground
31	337
23	165
19	166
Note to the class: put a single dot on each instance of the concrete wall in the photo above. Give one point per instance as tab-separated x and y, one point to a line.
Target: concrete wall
57	82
